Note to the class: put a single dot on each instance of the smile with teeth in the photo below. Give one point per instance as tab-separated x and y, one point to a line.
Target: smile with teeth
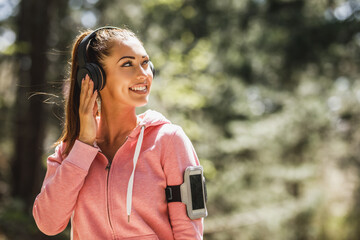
139	88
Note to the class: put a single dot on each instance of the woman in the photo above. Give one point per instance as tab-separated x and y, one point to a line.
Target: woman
110	166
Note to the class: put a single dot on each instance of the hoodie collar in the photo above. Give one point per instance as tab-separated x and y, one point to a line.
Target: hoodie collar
148	119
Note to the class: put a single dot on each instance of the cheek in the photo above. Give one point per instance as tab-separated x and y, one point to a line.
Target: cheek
114	88
150	77
117	80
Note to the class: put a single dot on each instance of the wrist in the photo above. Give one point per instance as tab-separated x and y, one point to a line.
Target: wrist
87	141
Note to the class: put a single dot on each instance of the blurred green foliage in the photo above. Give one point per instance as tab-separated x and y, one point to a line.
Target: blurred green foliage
267	90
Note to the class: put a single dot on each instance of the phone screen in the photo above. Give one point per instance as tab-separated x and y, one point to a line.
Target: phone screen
196	192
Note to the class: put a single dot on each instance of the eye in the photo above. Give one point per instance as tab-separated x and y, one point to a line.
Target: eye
146	62
127	64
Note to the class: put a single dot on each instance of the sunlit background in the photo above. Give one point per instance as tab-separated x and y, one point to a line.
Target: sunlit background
267	90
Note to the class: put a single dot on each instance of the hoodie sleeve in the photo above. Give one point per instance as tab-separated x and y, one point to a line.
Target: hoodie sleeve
64	178
180	154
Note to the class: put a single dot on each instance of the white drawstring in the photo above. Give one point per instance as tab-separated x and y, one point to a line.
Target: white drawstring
131	180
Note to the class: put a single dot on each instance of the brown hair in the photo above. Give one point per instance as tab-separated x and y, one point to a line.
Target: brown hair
98	49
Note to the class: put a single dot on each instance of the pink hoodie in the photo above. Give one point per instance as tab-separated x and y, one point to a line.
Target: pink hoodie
98	197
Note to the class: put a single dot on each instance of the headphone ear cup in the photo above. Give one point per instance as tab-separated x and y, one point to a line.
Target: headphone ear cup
96	74
81	73
152	68
102	77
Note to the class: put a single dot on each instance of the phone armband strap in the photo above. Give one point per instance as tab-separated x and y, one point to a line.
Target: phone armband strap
173	193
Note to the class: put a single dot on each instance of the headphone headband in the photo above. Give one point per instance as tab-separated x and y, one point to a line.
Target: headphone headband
82	49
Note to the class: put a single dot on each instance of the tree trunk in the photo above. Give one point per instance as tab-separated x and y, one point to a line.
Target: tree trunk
30	113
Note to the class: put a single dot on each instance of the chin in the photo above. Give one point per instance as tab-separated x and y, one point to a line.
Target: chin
141	103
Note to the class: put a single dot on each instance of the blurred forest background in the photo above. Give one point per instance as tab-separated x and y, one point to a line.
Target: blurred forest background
267	90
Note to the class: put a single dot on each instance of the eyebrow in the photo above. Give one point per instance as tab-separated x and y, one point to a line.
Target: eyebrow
131	57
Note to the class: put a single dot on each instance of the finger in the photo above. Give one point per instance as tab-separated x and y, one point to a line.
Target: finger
89	95
91	88
84	88
95	108
82	91
87	83
93	100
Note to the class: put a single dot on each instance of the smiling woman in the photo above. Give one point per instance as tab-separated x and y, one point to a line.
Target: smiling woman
112	164
127	62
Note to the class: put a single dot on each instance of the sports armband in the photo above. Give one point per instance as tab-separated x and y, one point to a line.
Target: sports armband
192	192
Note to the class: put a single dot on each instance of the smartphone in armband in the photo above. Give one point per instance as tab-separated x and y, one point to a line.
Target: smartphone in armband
192	192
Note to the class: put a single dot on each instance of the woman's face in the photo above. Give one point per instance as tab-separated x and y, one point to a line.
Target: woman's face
128	74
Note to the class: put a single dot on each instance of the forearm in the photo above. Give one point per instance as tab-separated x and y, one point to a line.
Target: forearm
55	203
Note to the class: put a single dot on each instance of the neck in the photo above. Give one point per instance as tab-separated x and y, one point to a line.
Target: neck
115	123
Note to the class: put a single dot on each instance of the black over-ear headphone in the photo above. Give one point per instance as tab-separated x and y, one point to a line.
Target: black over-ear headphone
95	71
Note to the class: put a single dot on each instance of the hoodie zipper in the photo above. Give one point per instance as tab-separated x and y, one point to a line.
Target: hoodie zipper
108	166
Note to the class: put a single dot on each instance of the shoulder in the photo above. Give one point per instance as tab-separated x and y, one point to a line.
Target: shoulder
170	128
171	131
173	136
179	151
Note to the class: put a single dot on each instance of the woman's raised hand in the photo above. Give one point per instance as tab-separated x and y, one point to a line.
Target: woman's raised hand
87	111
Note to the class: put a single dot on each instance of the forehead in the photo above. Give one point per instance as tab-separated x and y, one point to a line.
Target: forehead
128	47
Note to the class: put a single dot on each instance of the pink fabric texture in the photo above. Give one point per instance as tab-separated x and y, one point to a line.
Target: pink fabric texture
80	188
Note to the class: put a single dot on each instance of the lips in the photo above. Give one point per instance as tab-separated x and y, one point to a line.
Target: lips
139	88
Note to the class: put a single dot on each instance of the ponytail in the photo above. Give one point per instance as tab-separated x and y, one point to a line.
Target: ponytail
72	101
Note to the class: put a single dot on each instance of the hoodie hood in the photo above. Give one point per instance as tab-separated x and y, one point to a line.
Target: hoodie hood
148	119
152	118
145	120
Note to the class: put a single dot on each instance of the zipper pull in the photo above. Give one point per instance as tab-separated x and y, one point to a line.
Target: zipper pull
108	166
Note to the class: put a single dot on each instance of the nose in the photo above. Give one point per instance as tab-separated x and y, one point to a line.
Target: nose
142	72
